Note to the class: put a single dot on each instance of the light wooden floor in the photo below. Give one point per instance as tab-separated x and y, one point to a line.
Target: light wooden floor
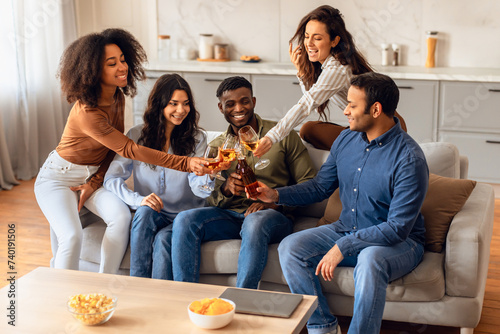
32	249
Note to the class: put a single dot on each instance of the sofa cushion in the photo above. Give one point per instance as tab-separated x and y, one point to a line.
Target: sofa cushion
425	283
445	197
91	245
332	210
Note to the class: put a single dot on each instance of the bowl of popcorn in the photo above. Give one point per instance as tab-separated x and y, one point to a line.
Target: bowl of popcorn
92	308
211	313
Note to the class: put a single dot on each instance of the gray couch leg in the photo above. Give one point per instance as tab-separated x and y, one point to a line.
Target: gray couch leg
464	330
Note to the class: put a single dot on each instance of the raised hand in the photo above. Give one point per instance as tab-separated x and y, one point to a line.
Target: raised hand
295	55
264	146
266	194
197	166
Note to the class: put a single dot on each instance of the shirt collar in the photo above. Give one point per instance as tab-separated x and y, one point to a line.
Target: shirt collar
386	137
330	59
260	126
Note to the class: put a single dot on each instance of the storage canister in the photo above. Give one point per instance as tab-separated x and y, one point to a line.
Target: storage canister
163	47
221	51
206	47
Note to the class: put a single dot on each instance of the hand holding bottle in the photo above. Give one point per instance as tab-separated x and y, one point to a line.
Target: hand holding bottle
233	186
264	193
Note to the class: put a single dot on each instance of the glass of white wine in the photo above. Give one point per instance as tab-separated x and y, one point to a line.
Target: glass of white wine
250	141
212	156
228	152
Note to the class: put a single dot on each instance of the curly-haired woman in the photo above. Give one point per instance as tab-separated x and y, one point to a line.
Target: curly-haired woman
96	71
326	60
170	125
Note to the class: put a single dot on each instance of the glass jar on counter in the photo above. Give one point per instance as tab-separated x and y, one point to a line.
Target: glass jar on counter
432	37
221	51
163	47
206	47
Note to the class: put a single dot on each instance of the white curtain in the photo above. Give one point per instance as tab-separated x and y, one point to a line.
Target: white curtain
33	35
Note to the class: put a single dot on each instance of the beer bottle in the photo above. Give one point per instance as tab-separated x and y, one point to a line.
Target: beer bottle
247	176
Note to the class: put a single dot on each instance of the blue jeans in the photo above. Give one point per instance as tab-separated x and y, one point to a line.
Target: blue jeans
257	231
151	244
374	268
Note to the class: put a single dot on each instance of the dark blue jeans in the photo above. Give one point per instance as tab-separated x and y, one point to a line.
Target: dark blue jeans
151	243
374	268
257	231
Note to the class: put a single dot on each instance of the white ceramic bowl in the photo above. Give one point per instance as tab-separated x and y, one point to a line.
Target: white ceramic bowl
96	318
212	321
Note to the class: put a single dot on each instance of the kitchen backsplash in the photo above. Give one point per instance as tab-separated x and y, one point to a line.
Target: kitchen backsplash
468	30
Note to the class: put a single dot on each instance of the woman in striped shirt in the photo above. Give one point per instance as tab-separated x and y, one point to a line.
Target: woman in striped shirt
326	60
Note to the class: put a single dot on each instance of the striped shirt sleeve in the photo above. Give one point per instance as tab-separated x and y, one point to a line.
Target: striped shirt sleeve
333	80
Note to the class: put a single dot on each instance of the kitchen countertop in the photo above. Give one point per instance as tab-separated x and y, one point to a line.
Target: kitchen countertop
395	72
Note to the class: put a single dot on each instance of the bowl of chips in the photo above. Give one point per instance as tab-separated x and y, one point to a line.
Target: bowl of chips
211	313
92	308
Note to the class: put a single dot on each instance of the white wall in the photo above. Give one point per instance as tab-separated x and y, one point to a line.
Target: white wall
469	30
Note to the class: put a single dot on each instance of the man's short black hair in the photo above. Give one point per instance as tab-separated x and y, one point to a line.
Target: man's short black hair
233	83
378	88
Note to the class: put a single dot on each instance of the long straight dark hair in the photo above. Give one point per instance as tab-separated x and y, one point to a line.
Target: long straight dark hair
182	139
345	51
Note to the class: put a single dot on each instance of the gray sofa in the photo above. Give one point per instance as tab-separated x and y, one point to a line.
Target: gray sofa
446	289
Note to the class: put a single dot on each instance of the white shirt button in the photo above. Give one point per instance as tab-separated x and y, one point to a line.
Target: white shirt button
355	190
359	169
352	210
367	149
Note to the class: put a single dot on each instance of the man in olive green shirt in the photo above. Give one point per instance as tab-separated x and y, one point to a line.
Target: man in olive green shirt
230	214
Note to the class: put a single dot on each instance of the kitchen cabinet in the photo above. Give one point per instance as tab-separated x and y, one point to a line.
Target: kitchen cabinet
469	118
204	87
482	150
470	106
418	104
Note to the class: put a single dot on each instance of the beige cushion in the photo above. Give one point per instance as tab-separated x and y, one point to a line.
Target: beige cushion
332	210
445	197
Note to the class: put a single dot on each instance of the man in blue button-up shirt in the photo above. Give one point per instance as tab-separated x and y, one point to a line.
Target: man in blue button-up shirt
383	177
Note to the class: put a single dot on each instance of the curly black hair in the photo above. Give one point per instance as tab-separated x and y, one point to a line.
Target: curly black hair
81	65
182	139
233	83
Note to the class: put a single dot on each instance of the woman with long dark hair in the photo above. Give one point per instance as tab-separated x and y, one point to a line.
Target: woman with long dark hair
96	72
326	59
159	194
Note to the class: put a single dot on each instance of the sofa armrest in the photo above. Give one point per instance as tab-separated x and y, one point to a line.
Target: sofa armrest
468	244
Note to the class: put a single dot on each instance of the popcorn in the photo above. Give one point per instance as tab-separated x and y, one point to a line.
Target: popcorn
91	309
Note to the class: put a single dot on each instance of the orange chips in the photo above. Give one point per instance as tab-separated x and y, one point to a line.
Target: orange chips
211	306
